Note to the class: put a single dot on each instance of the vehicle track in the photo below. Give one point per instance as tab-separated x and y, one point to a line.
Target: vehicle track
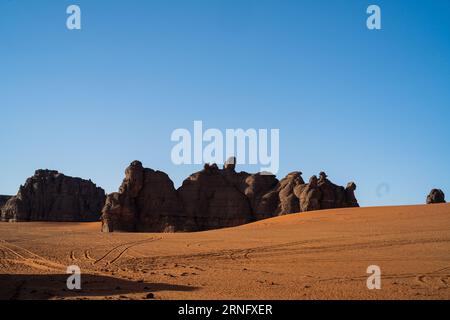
121	249
87	255
72	256
398	276
29	258
284	249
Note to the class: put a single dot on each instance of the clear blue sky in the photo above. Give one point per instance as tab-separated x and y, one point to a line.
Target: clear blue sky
368	106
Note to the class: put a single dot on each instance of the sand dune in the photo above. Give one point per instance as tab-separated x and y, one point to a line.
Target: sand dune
317	255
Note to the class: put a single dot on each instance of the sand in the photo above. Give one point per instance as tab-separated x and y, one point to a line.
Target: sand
316	255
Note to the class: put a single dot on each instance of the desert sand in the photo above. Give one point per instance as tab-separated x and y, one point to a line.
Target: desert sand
315	255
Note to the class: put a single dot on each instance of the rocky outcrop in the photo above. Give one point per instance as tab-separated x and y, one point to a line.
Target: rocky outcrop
52	196
289	202
309	195
350	198
3	200
209	199
214	198
146	201
320	194
436	196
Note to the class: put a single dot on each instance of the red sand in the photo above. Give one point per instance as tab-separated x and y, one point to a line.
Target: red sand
316	255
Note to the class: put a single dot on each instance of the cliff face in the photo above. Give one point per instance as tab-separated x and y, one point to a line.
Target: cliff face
214	198
51	196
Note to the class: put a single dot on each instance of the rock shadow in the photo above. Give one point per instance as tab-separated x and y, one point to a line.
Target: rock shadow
54	286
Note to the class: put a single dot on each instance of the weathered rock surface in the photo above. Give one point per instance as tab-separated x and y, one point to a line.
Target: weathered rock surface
350	199
52	196
146	201
3	200
309	195
321	194
214	198
436	196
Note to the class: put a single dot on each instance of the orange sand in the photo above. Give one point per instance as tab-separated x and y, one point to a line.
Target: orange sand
316	255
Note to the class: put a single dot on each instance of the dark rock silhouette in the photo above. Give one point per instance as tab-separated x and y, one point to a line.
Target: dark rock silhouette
52	196
350	199
3	200
214	198
436	196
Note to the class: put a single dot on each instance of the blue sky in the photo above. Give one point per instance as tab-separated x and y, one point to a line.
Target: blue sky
368	106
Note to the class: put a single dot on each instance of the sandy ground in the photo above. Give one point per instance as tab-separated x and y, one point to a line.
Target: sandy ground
317	255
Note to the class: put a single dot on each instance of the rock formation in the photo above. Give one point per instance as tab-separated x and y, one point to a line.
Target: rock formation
214	198
52	196
3	200
309	195
436	196
146	201
350	199
280	199
321	194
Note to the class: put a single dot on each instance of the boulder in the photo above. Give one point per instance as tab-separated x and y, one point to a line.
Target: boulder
51	196
436	196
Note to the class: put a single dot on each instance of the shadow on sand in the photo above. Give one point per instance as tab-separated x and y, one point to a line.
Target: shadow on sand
44	287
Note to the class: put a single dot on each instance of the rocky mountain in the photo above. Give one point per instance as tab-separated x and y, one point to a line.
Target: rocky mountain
51	196
214	198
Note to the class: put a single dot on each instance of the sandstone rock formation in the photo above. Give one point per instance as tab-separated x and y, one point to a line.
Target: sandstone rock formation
214	198
289	203
3	200
52	196
436	196
309	195
146	201
321	194
350	199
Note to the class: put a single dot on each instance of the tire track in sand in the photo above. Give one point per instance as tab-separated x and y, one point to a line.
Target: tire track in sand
118	251
29	258
87	255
